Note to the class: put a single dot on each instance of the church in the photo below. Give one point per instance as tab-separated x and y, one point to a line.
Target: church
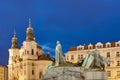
27	62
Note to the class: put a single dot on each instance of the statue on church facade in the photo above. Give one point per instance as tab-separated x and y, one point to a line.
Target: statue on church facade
94	60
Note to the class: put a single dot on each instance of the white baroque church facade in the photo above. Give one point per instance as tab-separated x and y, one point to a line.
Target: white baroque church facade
29	61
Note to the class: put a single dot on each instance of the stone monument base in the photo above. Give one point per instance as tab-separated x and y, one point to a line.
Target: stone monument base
73	73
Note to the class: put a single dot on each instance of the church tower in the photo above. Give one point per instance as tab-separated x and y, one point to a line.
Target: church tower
13	54
27	62
30	49
29	32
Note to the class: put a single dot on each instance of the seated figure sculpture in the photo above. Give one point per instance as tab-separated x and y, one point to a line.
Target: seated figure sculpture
94	60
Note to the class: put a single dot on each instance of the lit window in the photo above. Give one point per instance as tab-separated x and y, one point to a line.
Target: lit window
118	73
32	64
37	53
72	57
117	54
78	56
109	73
32	51
99	46
118	63
32	72
81	56
108	54
40	74
27	52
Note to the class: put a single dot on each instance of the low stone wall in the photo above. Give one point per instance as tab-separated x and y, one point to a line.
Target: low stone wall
73	73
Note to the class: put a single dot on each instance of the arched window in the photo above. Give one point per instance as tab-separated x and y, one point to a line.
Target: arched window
72	57
40	74
81	56
32	52
78	57
117	54
37	53
108	54
118	63
32	72
27	52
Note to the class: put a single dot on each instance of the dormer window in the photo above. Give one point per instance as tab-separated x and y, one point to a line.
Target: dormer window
118	43
80	47
108	45
90	46
99	45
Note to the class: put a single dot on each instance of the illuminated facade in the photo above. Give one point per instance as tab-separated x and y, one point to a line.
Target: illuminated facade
29	61
3	72
110	50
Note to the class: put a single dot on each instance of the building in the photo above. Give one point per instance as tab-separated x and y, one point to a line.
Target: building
110	50
3	72
27	62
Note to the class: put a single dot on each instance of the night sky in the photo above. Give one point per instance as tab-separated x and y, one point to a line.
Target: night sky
72	22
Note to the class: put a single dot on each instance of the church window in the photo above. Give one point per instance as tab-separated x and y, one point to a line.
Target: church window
40	74
32	72
118	63
37	53
72	57
118	73
81	56
109	73
117	54
32	64
108	54
32	52
27	52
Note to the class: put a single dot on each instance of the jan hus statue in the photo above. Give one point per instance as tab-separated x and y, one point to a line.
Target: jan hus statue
59	59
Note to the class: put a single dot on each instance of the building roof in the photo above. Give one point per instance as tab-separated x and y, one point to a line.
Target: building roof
43	57
113	44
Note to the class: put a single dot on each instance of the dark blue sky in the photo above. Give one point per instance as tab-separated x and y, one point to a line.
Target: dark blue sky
73	22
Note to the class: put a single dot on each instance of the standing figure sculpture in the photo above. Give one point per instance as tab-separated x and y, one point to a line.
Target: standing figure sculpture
58	54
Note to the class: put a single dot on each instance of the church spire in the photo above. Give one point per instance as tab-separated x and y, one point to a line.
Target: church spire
14	33
30	24
14	41
29	32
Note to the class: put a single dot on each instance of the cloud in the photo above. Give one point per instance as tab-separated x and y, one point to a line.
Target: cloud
47	47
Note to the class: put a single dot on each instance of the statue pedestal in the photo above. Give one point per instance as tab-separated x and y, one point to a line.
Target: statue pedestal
73	73
96	75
